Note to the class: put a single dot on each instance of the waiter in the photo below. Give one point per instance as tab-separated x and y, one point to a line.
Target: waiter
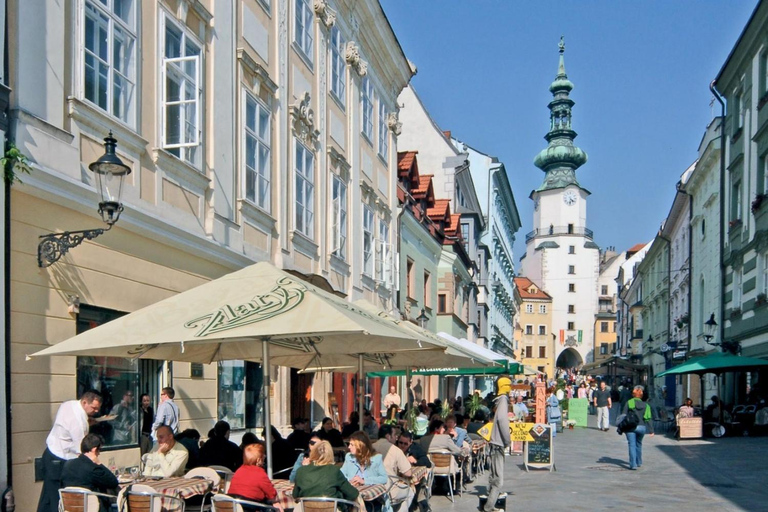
63	443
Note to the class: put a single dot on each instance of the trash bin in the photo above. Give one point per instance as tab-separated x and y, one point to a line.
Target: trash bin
501	503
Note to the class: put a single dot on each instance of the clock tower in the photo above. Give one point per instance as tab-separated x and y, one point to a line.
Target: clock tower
560	252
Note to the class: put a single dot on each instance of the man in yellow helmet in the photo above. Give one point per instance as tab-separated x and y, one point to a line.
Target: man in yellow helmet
499	442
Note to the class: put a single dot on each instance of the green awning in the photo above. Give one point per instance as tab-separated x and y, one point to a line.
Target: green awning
505	369
717	363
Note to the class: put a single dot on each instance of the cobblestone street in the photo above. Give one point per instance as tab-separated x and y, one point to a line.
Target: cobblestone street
593	474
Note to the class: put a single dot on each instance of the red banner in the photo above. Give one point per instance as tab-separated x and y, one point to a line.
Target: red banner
562	336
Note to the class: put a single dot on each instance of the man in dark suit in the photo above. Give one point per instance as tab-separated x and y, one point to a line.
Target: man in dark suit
87	471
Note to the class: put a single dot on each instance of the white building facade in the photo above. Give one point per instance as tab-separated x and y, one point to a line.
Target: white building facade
560	252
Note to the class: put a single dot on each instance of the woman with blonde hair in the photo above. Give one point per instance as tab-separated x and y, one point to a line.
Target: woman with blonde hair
250	481
320	477
363	466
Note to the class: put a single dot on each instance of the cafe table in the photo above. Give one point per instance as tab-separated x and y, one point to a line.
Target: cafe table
177	487
285	499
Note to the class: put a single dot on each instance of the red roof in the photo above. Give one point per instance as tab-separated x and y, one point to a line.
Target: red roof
524	287
454	228
405	160
425	187
636	248
440	210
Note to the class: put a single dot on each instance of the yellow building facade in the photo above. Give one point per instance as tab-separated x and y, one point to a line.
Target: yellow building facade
534	340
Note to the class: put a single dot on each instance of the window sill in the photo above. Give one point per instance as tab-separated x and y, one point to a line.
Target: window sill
256	215
100	123
339	263
368	282
306	59
339	102
366	138
183	172
304	244
383	159
737	135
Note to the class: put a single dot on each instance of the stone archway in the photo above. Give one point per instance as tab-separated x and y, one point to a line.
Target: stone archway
569	358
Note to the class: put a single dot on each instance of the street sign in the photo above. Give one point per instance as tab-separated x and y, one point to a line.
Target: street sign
521	431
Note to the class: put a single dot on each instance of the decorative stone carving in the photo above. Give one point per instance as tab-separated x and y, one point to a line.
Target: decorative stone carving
761	240
737	260
393	124
304	120
325	13
352	56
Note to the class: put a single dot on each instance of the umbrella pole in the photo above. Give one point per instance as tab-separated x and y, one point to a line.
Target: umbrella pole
267	418
360	390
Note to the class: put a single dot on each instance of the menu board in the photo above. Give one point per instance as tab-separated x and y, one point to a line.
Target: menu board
577	411
539	453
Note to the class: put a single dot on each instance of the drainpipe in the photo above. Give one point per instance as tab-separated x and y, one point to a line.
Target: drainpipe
719	99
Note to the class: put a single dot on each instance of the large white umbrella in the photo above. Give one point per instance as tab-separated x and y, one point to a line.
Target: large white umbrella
259	313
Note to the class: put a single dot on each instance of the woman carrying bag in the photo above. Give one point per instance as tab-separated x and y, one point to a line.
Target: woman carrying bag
554	415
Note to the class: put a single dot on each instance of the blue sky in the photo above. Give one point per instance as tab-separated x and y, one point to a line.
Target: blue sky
641	72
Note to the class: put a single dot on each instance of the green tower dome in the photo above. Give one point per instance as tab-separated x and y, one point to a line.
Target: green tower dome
561	157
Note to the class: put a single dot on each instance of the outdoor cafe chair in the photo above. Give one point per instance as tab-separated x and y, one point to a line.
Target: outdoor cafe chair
143	498
444	465
224	503
226	477
326	504
79	499
401	484
209	474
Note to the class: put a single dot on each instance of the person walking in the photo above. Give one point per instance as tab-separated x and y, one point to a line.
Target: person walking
644	426
554	414
602	400
63	443
499	443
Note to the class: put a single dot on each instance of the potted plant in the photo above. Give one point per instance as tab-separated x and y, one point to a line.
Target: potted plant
735	312
734	223
757	202
761	299
570	424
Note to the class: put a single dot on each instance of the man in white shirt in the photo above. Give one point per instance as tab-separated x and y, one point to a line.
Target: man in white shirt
520	410
167	458
63	443
167	412
391	398
396	465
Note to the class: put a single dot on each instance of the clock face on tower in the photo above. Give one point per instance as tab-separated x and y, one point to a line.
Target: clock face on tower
569	198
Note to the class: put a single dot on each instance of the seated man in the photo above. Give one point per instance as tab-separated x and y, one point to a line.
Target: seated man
299	438
437	440
396	465
218	450
87	471
370	426
458	434
520	410
167	458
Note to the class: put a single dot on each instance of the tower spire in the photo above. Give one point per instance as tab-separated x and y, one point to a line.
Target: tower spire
561	157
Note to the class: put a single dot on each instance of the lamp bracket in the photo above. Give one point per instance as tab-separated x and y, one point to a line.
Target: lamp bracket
55	245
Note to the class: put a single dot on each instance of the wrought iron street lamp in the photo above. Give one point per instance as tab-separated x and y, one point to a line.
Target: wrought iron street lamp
422	319
110	173
710	328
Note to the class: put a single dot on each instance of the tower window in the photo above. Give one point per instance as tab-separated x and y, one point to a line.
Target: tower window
571	287
571	308
571	326
571	249
570	229
571	269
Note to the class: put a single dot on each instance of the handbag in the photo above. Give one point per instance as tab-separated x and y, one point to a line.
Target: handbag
628	423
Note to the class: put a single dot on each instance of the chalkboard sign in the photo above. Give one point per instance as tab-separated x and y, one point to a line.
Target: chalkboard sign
577	411
539	453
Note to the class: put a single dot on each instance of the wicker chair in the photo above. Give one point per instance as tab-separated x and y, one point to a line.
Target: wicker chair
79	499
326	504
444	465
142	498
224	503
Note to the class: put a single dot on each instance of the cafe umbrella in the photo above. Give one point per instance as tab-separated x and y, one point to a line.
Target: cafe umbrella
716	363
259	313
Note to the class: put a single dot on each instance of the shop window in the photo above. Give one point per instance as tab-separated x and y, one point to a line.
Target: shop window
116	378
239	394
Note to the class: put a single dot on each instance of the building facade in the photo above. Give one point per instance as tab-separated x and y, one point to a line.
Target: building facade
533	330
705	276
269	137
605	342
502	221
743	84
560	252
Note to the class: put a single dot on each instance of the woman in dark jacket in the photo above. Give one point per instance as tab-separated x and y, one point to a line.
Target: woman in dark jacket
644	426
320	477
332	435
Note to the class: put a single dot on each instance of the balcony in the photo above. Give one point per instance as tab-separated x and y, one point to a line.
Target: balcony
559	230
